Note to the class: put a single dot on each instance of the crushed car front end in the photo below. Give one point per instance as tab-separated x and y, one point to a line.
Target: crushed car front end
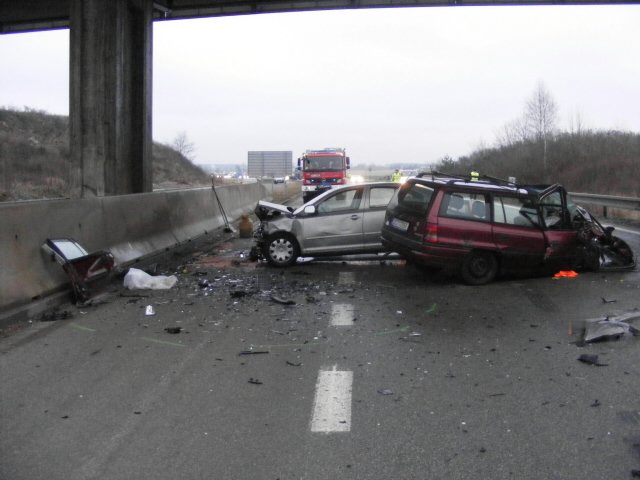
273	218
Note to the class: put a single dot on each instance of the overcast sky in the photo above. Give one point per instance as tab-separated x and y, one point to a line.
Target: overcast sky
389	85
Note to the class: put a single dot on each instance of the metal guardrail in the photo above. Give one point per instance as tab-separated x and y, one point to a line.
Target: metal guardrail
627	203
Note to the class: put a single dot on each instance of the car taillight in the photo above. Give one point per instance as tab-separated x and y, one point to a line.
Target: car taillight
431	233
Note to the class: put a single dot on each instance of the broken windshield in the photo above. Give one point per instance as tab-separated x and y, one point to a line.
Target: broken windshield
323	163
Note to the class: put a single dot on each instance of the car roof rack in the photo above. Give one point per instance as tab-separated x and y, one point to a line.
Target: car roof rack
456	177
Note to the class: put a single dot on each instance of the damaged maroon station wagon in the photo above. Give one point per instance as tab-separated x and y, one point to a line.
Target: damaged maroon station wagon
479	226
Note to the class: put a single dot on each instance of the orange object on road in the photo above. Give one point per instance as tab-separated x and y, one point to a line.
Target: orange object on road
566	274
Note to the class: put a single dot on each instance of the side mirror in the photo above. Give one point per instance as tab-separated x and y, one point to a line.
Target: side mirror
309	209
348	162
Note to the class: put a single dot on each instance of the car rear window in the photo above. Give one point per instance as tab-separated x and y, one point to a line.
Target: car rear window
415	196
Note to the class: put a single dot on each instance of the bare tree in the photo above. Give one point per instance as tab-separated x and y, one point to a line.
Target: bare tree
577	124
512	133
183	146
540	117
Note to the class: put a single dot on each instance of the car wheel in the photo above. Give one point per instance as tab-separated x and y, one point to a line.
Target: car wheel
281	250
479	268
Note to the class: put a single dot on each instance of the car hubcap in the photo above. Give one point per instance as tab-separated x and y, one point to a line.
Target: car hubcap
479	267
281	250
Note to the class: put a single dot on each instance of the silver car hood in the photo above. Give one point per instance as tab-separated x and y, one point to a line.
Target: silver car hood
266	210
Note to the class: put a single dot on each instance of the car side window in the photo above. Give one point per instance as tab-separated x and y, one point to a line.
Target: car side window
380	196
470	206
341	201
514	211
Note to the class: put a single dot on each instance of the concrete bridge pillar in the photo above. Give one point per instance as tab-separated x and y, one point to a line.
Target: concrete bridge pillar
110	96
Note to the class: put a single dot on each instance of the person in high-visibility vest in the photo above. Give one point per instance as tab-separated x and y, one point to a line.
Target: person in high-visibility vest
475	176
395	176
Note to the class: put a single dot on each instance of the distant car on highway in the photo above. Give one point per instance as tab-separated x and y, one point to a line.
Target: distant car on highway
481	225
341	221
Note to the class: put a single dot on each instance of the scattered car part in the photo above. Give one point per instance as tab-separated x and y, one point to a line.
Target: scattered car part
599	329
85	270
591	359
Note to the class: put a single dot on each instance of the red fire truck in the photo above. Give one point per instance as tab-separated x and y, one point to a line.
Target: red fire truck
322	170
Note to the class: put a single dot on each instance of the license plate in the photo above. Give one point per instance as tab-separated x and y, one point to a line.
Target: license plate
400	224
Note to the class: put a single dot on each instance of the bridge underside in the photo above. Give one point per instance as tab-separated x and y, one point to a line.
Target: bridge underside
111	75
30	15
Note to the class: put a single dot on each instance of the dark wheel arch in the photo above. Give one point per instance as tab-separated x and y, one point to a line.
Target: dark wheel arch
281	249
479	267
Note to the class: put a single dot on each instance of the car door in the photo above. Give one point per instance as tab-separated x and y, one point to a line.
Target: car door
560	236
517	232
336	225
377	199
463	221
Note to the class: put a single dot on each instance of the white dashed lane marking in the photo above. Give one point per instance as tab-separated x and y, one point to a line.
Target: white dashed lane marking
332	402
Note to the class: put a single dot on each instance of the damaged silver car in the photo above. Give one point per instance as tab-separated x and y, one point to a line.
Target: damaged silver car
342	221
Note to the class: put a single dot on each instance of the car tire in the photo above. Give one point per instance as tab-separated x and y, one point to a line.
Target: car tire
281	250
479	267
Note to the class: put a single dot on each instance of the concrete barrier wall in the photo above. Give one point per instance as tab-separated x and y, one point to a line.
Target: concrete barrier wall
129	226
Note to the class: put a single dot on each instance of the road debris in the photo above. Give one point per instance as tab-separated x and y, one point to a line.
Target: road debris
292	364
282	301
253	352
238	293
385	391
565	274
55	315
86	271
149	310
136	279
591	359
255	381
173	330
611	327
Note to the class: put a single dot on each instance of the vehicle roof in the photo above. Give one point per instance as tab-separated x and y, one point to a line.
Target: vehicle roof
483	182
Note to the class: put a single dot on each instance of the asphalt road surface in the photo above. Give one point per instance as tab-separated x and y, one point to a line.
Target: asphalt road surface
350	370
